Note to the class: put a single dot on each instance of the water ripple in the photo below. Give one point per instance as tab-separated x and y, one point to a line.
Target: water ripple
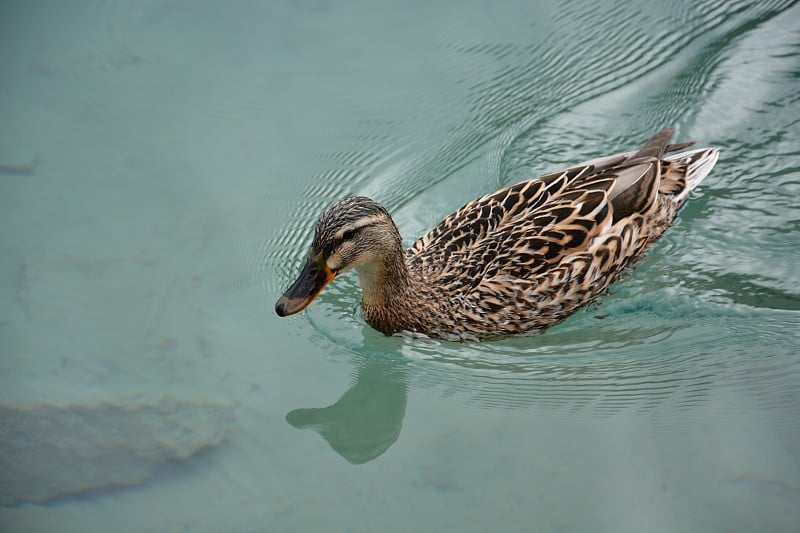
608	379
654	342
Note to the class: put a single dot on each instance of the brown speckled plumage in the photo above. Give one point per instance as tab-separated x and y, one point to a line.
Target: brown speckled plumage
516	260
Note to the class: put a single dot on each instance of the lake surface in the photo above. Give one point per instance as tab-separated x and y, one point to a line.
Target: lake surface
163	163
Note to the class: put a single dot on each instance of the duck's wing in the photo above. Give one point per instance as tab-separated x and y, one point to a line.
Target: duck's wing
524	230
529	202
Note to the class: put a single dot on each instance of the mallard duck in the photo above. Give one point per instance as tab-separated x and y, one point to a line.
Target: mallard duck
510	262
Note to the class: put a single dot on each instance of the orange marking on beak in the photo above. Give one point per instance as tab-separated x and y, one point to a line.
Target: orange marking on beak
313	278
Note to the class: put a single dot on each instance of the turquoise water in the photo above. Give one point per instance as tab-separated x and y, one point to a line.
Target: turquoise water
161	167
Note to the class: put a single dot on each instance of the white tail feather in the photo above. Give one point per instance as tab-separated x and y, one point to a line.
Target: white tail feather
699	163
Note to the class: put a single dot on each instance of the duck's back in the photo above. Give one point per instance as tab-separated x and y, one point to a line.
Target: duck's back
528	254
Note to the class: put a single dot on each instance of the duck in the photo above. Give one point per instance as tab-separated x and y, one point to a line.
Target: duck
512	262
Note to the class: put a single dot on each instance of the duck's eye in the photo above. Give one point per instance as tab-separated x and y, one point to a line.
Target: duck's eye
349	234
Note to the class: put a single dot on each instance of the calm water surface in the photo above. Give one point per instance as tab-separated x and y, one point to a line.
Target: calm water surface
163	163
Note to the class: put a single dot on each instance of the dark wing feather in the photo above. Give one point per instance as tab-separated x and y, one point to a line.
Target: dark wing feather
527	229
515	232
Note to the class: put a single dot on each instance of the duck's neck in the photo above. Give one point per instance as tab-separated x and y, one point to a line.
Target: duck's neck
385	282
388	288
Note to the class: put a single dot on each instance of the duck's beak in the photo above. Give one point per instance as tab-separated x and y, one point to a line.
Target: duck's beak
309	284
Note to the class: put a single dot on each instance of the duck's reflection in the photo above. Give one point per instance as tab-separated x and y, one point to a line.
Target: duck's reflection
367	419
603	366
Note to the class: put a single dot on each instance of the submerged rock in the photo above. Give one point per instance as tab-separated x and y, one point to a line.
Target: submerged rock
48	452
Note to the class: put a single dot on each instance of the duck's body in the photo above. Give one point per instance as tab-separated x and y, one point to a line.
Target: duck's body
510	262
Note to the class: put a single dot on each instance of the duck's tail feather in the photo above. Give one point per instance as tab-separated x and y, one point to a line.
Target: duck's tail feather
680	173
678	146
659	144
656	146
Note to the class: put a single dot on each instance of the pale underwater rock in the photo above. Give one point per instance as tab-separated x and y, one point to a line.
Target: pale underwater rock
48	452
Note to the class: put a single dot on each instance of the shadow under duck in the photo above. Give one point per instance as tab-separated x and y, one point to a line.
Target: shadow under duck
513	261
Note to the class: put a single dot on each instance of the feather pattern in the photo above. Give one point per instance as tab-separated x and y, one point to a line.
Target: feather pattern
523	257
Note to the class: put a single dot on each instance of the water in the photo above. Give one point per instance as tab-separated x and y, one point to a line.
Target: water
164	162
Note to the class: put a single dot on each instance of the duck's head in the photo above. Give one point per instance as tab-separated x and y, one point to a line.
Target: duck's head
352	233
